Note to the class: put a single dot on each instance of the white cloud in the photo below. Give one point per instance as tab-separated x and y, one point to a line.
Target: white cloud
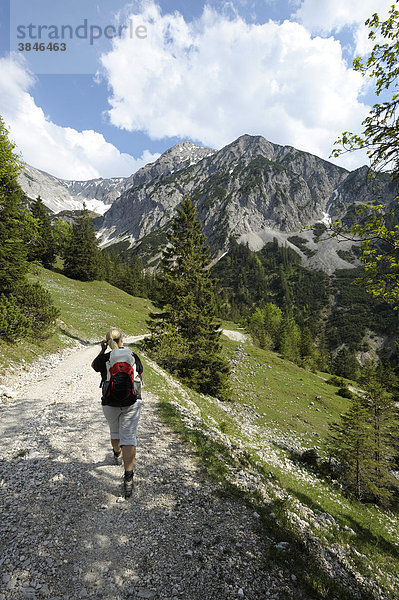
333	15
216	78
327	16
61	151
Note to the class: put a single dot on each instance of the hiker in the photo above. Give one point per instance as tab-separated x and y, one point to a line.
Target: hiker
121	411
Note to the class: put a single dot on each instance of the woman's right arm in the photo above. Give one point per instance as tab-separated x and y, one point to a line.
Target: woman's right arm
95	362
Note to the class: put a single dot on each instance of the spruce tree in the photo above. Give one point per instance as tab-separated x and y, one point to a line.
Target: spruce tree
351	445
185	333
82	257
25	309
384	425
13	264
43	247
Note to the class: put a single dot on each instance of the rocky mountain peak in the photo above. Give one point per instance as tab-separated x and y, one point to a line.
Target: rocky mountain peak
253	143
185	153
184	146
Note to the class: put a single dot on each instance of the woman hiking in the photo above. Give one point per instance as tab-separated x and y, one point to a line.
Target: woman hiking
121	399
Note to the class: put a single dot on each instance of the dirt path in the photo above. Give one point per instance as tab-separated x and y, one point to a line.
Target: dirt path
66	532
236	336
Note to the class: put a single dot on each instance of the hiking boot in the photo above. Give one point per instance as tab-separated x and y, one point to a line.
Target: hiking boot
118	457
128	486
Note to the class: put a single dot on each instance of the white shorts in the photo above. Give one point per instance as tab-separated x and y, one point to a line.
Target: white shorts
122	421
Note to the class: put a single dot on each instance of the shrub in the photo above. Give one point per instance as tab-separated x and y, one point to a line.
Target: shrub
36	305
13	324
344	392
310	457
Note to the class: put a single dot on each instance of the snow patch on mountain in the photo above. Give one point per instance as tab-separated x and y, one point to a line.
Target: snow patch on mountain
56	193
99	194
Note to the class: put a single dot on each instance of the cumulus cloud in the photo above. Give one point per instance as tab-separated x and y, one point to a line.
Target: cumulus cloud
327	16
61	151
333	15
216	78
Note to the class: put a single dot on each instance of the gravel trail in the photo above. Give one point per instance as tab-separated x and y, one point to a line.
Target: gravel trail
66	532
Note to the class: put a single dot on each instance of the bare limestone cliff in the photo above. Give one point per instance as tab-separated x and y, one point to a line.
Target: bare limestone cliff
251	189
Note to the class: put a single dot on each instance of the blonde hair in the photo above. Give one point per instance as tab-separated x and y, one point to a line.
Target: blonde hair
113	337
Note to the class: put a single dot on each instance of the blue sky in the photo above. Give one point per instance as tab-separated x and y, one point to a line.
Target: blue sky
207	72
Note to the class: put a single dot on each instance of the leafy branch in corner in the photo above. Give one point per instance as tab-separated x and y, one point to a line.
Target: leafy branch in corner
380	133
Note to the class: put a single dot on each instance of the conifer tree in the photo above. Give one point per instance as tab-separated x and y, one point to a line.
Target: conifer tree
307	346
82	257
62	236
345	364
256	327
25	309
384	426
351	444
265	324
13	265
309	353
364	441
43	246
185	334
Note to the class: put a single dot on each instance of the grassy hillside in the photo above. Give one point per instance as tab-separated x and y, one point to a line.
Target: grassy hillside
340	548
87	310
337	546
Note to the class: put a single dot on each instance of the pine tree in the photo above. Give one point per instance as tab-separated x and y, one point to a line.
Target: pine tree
384	425
351	445
185	334
43	247
13	264
82	258
25	309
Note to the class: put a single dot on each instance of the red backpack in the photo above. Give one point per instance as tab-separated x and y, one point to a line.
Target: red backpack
118	389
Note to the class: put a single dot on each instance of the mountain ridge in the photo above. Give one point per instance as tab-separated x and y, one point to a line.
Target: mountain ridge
99	193
251	189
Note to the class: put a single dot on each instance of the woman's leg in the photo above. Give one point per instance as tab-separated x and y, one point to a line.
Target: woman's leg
127	428
115	445
129	457
128	421
112	414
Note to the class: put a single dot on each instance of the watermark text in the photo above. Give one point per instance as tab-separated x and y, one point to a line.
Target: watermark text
84	31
